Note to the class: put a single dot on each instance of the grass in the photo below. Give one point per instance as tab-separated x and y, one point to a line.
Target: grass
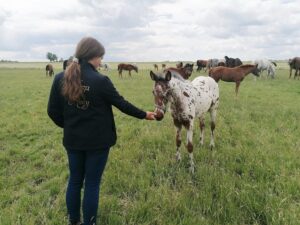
251	177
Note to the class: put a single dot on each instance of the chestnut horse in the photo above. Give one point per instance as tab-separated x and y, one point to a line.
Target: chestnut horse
128	67
188	101
236	74
49	70
185	71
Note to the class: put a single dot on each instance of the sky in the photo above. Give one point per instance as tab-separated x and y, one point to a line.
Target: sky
151	30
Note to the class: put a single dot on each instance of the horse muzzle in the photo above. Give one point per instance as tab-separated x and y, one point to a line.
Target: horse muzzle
159	114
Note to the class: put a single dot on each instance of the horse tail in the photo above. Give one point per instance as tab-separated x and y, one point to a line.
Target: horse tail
274	63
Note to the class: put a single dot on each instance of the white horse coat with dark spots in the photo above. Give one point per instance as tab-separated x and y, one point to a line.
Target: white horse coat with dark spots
188	100
265	64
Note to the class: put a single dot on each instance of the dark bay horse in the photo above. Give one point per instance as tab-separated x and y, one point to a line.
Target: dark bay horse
66	63
128	67
294	64
201	64
231	62
236	74
185	72
49	70
179	65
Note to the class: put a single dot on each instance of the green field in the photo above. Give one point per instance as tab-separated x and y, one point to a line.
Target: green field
251	177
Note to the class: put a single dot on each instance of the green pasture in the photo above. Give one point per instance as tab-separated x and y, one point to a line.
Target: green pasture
251	177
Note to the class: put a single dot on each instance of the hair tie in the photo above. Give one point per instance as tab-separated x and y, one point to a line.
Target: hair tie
75	60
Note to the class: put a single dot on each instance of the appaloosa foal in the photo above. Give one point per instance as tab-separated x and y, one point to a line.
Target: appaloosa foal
189	100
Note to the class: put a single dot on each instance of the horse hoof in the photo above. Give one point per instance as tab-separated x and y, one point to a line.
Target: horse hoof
178	157
192	169
211	146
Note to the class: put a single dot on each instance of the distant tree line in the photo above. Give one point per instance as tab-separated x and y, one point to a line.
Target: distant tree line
10	61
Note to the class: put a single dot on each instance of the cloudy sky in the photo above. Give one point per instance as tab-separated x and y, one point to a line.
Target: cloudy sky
151	30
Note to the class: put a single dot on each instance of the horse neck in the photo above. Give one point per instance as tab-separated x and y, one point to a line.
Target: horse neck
176	87
248	70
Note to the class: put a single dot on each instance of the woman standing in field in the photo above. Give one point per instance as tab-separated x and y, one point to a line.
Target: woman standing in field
81	102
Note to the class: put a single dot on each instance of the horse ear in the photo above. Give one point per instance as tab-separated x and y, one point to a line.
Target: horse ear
168	76
153	76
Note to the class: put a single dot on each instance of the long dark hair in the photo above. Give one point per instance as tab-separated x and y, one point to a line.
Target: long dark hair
86	49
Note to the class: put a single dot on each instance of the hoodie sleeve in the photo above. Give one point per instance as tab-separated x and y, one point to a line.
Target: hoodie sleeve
112	96
55	106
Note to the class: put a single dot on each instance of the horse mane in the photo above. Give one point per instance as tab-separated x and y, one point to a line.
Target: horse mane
246	66
176	73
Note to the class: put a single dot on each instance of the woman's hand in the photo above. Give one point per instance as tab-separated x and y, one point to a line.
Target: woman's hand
150	116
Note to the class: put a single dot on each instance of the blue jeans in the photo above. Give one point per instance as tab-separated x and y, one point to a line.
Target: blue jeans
86	166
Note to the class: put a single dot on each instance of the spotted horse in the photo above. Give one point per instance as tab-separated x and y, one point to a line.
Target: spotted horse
188	101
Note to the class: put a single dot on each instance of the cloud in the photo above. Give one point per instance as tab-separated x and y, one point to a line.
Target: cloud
153	30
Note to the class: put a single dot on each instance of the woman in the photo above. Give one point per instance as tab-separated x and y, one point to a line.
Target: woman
81	102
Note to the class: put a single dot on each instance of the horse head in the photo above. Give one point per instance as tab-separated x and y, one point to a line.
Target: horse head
135	68
188	69
160	92
255	70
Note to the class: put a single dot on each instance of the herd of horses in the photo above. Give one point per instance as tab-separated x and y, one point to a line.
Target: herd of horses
191	100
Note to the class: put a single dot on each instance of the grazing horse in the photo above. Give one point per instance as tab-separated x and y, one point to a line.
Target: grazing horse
189	100
185	72
163	66
201	64
128	67
179	65
104	66
231	62
49	70
294	64
155	67
211	63
265	64
236	74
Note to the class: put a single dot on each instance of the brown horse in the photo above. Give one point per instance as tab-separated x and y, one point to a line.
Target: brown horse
128	67
201	64
163	66
49	70
155	66
179	65
236	74
185	72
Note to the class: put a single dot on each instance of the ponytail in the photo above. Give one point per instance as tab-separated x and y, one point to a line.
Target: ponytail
72	89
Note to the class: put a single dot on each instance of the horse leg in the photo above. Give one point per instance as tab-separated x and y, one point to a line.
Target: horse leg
202	126
190	148
130	73
178	142
237	84
290	73
213	115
